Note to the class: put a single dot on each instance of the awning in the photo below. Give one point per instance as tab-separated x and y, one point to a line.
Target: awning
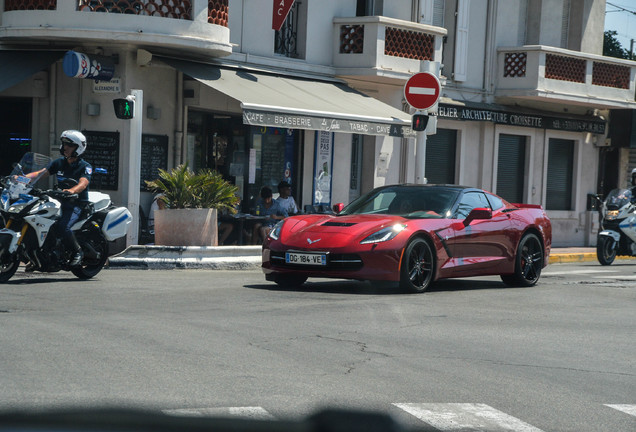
295	103
16	66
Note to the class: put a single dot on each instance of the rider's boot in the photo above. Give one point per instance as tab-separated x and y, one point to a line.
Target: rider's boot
78	254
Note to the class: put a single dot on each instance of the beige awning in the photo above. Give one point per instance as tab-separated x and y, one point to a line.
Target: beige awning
295	103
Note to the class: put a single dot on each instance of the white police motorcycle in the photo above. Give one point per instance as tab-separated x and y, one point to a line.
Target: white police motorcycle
28	215
618	226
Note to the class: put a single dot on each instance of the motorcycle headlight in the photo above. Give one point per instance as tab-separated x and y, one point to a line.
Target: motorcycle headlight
275	232
385	234
17	208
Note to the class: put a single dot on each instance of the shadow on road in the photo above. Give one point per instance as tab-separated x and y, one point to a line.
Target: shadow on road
380	288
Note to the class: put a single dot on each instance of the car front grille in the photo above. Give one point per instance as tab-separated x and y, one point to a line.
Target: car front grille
334	262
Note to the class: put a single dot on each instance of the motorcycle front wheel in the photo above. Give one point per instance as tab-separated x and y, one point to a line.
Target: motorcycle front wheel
92	265
606	249
8	267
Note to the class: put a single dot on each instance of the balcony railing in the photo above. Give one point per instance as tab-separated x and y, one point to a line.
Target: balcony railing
179	9
385	47
534	72
199	26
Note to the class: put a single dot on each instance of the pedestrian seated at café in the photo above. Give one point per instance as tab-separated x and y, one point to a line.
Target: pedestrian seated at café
271	210
285	199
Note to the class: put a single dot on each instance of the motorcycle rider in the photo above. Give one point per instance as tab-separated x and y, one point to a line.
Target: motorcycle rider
70	166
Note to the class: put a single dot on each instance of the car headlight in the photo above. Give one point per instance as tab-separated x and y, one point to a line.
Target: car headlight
275	232
384	234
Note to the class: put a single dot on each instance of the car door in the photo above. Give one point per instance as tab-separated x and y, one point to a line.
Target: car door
482	244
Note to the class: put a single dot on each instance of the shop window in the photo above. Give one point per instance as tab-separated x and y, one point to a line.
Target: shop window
440	156
15	132
560	174
356	167
511	167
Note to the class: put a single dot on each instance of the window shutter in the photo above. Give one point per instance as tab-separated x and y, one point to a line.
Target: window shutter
511	166
461	41
560	172
440	156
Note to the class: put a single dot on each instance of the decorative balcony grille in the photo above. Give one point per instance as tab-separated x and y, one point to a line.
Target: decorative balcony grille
286	39
515	64
179	9
610	75
13	5
351	39
218	12
409	44
564	68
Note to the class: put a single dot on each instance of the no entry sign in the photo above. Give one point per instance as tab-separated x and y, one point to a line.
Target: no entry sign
422	90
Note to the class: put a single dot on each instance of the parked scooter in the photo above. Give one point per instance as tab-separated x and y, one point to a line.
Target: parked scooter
617	236
28	216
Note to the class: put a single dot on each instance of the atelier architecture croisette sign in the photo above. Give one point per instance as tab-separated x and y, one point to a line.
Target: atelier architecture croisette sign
454	112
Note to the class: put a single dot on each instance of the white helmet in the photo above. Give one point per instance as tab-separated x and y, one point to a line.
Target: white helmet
73	137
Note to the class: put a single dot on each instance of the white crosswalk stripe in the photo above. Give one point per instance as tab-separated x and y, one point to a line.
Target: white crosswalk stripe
255	413
465	416
628	409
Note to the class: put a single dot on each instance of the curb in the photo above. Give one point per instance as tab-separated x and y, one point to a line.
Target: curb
571	258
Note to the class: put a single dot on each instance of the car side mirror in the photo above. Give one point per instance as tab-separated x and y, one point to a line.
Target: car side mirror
478	213
337	208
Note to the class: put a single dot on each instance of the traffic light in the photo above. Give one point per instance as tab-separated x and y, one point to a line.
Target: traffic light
419	122
124	108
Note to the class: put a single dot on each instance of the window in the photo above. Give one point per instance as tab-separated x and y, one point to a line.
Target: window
469	201
290	39
440	156
356	167
511	166
560	172
495	202
369	7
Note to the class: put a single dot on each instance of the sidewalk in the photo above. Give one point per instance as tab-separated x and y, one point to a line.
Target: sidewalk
249	257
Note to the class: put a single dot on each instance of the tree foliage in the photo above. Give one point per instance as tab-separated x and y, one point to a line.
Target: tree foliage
612	47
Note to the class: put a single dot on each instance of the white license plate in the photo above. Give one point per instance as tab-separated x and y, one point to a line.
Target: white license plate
306	259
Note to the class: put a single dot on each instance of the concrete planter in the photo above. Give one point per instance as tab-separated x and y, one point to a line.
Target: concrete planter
186	227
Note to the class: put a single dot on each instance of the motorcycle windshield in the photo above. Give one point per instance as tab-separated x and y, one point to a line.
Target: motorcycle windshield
31	162
618	198
18	182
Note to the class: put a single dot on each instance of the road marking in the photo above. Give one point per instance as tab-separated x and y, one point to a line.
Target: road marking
422	91
466	416
628	409
254	413
554	273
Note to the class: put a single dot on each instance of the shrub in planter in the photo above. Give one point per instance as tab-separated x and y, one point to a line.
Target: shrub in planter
192	201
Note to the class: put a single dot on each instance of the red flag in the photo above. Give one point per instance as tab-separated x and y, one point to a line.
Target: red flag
281	10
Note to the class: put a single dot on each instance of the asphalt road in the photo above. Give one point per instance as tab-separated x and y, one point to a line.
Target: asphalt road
556	357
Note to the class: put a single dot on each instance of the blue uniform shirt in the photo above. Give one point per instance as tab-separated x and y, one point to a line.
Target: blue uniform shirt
78	169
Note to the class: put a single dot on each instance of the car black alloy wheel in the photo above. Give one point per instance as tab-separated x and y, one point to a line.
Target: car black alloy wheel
418	266
606	250
528	262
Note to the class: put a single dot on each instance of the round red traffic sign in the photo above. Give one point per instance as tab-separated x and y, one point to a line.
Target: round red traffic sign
422	90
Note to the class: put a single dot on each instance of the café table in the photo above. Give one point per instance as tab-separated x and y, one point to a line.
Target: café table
239	221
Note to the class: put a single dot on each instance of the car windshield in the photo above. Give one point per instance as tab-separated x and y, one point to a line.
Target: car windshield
406	201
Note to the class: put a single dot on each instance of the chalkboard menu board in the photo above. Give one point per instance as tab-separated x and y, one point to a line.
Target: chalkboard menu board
154	155
102	151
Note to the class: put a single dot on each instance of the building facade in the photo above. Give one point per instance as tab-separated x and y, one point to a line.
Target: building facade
526	108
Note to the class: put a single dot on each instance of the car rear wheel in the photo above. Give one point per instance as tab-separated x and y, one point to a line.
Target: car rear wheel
418	266
528	263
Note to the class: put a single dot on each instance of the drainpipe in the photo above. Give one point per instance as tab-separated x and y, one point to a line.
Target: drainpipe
52	96
178	135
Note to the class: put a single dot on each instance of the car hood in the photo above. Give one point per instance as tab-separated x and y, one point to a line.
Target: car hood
320	231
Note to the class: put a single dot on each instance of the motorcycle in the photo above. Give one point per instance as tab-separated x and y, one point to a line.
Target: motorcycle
28	216
617	236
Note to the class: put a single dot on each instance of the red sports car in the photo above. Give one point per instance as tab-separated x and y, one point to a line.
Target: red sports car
414	235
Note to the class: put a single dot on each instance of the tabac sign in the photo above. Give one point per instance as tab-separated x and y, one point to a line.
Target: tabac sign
325	124
280	12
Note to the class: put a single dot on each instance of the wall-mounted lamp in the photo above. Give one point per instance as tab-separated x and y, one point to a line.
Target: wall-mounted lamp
153	113
92	109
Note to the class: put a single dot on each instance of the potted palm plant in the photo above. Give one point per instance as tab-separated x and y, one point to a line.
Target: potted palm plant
192	201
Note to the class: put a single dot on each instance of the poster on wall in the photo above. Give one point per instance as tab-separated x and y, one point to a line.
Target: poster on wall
323	162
